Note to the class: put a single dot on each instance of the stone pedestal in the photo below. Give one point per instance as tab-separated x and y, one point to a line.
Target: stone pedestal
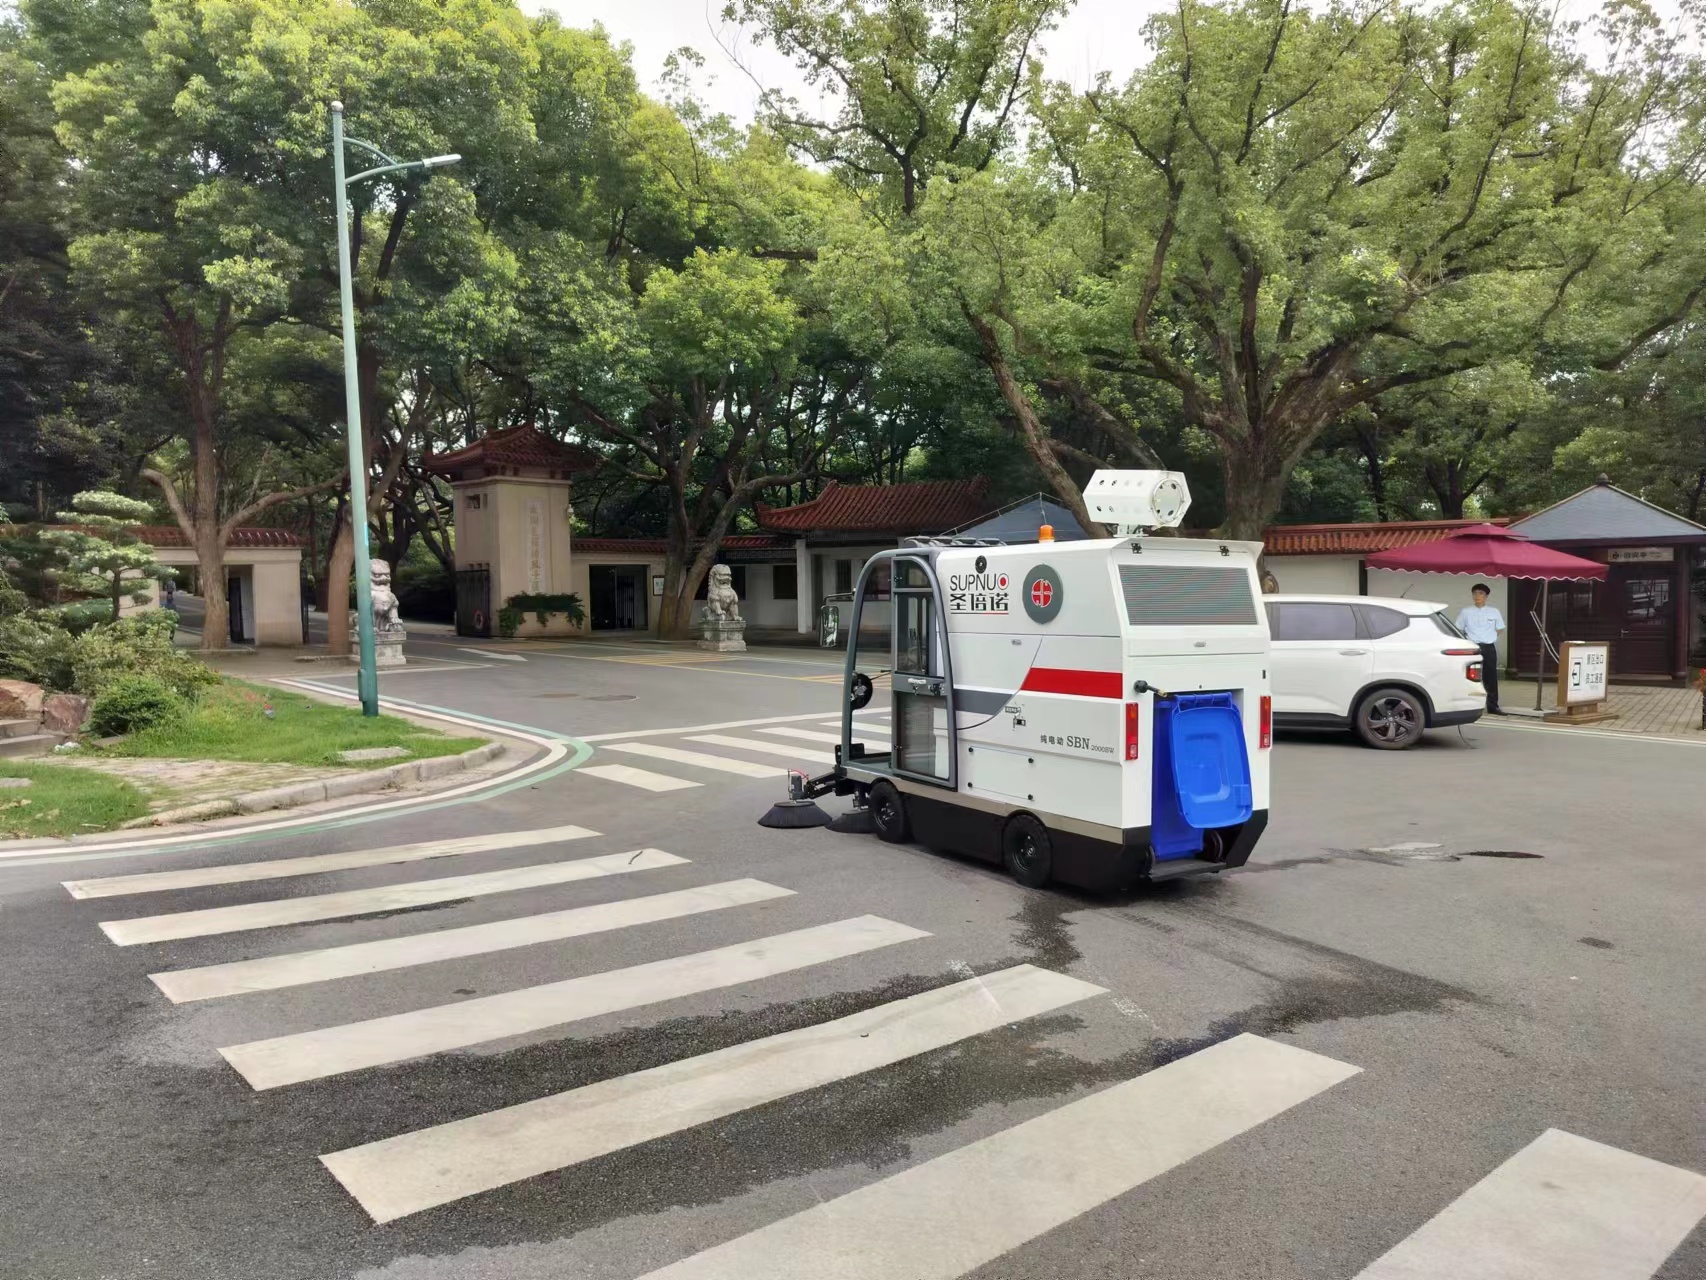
722	635
387	647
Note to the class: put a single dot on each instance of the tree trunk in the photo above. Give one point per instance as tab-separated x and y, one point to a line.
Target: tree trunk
1030	426
210	567
339	567
675	610
1255	488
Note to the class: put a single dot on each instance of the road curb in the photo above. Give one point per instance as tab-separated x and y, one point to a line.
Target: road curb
301	793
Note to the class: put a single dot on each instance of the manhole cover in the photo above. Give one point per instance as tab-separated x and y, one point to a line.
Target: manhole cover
556	695
1500	853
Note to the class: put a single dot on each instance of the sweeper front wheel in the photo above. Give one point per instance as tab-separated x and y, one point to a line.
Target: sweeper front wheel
1026	851
888	811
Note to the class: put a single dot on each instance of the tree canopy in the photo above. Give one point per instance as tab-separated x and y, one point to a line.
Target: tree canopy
1331	260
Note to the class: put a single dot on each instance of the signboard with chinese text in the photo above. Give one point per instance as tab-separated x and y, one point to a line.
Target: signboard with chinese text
1583	672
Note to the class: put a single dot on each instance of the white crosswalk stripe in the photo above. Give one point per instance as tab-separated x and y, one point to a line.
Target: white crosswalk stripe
699	759
1562	1208
945	1217
313	1055
297	968
393	897
804	755
398	1176
280	868
644	779
808	735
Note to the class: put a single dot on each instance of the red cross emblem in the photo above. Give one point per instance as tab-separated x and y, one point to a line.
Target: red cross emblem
1042	591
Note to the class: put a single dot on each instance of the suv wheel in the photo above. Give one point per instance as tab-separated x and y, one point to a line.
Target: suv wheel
1390	719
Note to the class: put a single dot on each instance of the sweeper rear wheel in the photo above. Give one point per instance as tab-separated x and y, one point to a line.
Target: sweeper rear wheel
888	811
1026	851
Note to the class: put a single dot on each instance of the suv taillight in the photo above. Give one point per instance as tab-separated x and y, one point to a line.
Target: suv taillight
1265	729
1131	730
1472	673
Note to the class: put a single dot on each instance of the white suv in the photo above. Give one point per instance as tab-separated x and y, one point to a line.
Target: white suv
1382	667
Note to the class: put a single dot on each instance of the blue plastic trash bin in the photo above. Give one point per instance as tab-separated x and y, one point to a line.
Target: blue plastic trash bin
1202	772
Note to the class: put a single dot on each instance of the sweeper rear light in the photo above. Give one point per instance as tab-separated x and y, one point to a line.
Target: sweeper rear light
1131	723
1265	728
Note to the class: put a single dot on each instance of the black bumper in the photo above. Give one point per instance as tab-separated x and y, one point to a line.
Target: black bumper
1445	719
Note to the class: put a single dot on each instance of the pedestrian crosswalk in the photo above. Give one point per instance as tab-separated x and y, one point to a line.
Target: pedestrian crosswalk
270	973
395	1177
921	1224
311	1055
1561	1208
711	756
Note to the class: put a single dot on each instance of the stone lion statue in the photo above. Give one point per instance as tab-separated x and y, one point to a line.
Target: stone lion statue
384	599
721	602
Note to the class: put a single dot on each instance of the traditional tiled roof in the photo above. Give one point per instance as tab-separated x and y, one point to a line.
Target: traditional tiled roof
1360	539
512	451
169	535
922	507
734	542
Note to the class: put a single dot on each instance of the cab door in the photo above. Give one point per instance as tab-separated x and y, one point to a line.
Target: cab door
920	725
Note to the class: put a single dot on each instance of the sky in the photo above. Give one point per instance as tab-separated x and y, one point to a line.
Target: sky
1096	36
1099	35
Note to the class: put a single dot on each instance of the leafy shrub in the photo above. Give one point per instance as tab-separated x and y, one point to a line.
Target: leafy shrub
37	649
139	645
509	618
132	703
542	604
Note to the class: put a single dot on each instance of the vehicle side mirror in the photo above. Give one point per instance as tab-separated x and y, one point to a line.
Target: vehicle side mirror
859	692
828	626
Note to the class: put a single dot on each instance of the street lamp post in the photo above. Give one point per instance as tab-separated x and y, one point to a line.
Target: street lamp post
367	679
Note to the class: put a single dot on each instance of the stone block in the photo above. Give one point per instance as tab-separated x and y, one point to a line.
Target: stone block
64	713
355	784
722	635
281	797
438	766
356	754
20	699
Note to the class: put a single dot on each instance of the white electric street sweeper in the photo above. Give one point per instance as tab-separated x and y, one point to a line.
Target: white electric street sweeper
1093	712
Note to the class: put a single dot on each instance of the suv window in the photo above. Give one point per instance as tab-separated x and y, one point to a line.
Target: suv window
1383	622
1446	625
1312	621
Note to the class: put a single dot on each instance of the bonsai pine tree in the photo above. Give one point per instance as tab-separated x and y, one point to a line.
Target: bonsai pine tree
104	558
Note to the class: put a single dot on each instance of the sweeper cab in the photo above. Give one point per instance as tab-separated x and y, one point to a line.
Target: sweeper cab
1092	712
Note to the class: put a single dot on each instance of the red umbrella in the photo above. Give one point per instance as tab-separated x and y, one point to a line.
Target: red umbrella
1487	551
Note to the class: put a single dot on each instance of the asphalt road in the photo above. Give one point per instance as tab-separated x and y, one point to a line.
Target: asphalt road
1483	1001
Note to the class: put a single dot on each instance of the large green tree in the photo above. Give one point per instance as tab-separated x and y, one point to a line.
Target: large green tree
1289	213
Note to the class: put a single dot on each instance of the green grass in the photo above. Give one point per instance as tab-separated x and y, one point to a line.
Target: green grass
64	801
229	722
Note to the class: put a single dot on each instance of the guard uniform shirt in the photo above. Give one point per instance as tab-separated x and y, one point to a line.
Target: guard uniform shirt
1481	623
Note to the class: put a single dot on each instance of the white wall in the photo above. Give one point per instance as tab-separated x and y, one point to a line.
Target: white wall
759	606
1315	575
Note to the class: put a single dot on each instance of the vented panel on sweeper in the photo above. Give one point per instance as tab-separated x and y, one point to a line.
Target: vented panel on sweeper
1166	595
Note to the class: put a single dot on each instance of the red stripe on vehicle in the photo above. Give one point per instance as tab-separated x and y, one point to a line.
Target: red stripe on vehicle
1083	684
